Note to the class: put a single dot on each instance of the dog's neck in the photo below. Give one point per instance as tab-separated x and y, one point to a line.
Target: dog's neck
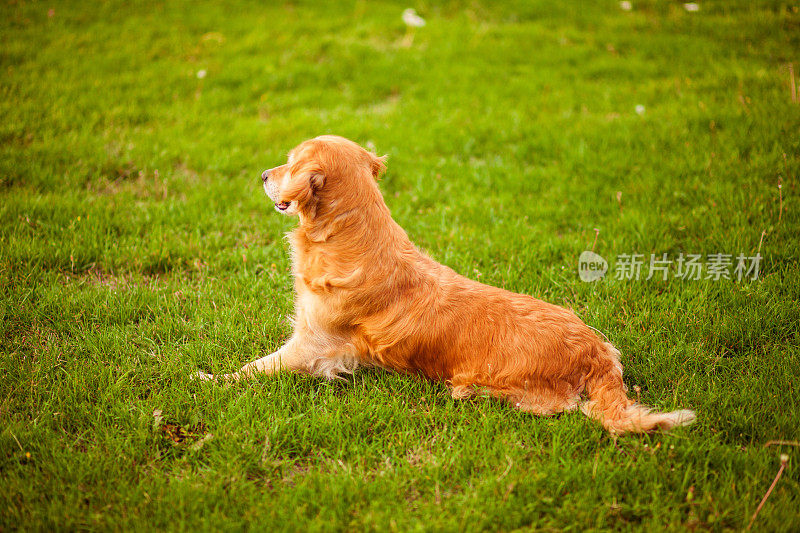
349	237
366	221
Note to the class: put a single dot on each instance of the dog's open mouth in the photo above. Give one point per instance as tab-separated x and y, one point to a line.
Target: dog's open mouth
282	206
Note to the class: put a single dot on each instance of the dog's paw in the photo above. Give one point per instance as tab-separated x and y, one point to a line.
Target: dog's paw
201	376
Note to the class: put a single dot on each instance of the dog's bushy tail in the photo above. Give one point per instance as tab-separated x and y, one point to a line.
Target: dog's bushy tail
609	402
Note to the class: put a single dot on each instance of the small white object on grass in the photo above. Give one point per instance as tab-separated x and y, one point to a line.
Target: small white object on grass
691	7
639	109
201	74
411	18
625	5
158	417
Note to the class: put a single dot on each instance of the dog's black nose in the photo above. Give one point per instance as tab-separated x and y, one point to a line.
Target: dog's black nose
265	175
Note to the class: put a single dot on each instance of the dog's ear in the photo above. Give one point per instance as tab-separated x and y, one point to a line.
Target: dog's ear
304	189
378	164
316	181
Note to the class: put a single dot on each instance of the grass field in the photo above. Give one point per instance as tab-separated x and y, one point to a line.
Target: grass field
137	246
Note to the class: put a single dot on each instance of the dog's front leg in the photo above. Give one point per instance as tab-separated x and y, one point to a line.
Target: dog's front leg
290	356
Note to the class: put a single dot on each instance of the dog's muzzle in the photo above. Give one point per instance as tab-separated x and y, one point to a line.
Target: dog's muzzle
272	191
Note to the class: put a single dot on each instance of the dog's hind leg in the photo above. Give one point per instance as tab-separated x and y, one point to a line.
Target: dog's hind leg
539	398
545	400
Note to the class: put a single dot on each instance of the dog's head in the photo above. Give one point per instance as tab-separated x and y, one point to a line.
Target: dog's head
323	176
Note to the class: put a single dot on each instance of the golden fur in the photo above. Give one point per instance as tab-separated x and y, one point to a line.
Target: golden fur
366	295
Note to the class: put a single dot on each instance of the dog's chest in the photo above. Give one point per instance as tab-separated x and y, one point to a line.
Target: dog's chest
323	310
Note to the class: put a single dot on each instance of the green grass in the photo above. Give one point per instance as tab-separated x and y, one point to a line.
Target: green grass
136	247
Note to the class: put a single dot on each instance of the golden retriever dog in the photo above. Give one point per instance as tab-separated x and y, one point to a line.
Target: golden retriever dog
365	295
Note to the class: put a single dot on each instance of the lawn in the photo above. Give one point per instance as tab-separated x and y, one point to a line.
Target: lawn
137	247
